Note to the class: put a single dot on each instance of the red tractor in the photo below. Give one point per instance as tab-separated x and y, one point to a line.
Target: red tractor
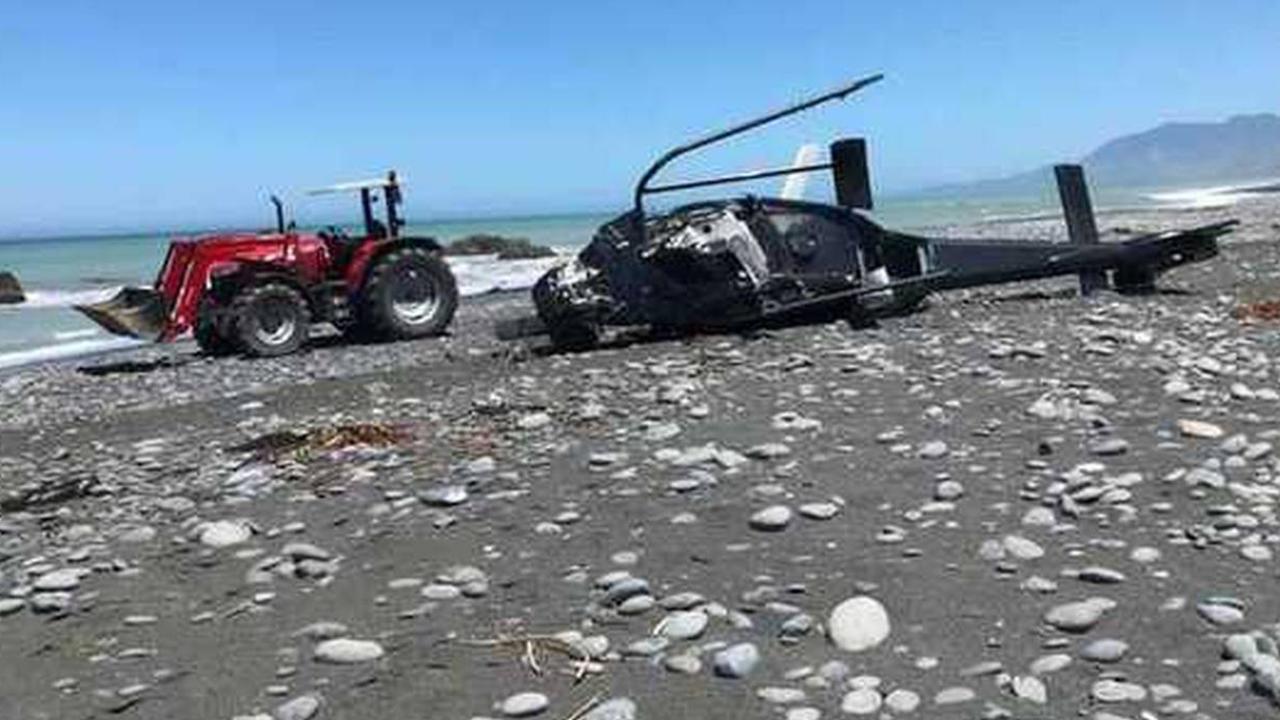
259	293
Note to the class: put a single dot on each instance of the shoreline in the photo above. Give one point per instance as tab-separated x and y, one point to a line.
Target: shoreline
1033	223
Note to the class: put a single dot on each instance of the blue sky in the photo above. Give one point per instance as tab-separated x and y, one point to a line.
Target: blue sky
122	115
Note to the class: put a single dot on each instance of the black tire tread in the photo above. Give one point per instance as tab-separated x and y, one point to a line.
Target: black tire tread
241	305
375	318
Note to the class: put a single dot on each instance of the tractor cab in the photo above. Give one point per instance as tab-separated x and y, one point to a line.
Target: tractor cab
385	190
341	245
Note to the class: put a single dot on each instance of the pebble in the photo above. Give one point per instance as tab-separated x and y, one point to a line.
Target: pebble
1100	576
8	606
444	495
524	704
619	708
948	490
683	664
1144	555
1106	650
683	625
902	701
1078	616
344	651
780	695
1046	664
303	707
819	510
859	623
1109	447
57	581
933	450
1220	614
1114	691
861	702
1256	553
736	661
771	519
1039	517
225	533
1200	429
1022	548
954	696
1031	688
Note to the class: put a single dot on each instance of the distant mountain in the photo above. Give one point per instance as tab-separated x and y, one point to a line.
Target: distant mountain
1244	147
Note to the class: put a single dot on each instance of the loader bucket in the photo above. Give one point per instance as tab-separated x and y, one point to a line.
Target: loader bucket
133	312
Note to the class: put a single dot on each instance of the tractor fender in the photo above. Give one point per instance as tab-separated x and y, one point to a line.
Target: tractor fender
360	265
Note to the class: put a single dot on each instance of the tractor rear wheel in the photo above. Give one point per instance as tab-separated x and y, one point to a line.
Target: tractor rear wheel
270	319
210	336
410	293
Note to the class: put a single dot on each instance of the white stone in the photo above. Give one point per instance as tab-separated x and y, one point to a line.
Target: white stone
861	702
683	625
58	581
524	704
303	707
902	701
773	518
225	533
859	623
1031	688
619	708
1022	548
345	651
1200	429
736	661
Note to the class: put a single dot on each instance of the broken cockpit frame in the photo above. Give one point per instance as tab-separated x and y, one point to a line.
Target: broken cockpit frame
741	261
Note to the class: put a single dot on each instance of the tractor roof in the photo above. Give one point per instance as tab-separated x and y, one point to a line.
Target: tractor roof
355	185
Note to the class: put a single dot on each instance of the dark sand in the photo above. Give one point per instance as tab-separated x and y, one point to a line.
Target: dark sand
578	465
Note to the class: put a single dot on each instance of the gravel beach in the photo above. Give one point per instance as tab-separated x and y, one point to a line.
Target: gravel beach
1015	504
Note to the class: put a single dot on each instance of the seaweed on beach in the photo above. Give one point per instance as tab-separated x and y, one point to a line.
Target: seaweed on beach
1264	310
323	439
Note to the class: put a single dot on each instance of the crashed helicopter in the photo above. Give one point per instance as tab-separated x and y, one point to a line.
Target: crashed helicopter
747	261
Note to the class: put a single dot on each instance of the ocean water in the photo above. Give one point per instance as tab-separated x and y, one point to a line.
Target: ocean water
58	272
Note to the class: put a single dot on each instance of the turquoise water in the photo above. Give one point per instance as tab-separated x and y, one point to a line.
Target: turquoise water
60	271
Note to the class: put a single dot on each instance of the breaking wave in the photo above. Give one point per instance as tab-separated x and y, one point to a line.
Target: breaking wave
1213	197
480	274
64	350
65	298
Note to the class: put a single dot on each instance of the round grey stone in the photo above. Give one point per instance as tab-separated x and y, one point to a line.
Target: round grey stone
863	701
736	661
1106	650
902	701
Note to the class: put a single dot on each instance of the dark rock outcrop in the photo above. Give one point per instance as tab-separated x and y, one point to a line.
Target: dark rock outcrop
10	290
504	247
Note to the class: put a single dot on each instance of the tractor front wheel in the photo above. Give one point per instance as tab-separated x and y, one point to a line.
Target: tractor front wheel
410	293
270	320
